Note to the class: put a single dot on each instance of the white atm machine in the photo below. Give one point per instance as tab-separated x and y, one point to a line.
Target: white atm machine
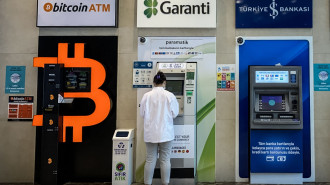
181	81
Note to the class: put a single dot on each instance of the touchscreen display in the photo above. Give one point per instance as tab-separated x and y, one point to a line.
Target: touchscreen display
77	79
271	103
272	76
175	86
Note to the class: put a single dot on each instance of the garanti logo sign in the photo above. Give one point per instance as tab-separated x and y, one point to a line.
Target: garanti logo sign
176	13
274	14
77	13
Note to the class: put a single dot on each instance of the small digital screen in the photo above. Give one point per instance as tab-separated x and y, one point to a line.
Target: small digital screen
272	76
175	86
190	75
271	103
77	79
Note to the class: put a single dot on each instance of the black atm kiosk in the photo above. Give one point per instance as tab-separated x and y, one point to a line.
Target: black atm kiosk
56	80
276	123
50	135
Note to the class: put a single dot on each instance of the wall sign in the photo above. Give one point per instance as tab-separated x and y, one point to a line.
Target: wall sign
77	13
15	80
176	13
321	77
225	77
173	48
142	74
274	14
20	108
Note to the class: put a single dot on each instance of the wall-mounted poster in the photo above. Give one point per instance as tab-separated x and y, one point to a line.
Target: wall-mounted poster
77	13
20	108
15	80
274	14
321	77
225	77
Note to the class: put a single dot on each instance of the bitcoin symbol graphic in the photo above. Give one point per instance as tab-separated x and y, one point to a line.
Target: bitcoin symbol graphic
272	6
48	7
100	98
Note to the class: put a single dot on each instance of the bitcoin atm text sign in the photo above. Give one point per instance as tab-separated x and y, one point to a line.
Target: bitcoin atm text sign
77	13
100	98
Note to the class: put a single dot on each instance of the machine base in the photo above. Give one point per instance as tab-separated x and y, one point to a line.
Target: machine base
276	178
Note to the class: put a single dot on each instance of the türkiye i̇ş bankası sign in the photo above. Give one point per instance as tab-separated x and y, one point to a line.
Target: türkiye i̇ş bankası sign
176	13
274	14
77	13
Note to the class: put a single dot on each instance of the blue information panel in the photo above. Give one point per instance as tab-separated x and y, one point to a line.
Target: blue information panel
276	151
271	52
274	14
142	74
15	80
321	77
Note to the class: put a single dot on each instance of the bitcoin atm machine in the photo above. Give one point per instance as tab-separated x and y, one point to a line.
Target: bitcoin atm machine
50	159
276	123
181	81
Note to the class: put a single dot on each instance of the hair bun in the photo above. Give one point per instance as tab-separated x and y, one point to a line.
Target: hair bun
159	78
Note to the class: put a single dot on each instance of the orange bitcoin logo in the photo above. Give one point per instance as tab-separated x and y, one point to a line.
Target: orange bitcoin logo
100	98
48	7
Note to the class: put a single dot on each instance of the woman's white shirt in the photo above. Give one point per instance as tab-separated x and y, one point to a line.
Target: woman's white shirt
158	108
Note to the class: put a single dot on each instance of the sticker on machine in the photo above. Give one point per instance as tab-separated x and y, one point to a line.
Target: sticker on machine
184	142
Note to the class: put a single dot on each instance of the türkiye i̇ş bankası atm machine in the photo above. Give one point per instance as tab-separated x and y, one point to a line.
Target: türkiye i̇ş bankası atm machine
181	81
275	97
276	122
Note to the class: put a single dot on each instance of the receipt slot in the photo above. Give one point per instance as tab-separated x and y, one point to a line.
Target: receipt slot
276	123
122	157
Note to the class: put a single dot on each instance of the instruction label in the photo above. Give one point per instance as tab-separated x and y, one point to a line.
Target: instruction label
276	151
142	74
184	141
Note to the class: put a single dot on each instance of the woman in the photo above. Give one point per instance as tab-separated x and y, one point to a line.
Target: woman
158	108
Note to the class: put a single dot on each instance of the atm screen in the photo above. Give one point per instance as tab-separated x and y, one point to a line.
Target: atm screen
77	79
175	86
271	103
272	76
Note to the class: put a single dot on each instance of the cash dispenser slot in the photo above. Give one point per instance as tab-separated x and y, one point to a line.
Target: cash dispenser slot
286	116
265	116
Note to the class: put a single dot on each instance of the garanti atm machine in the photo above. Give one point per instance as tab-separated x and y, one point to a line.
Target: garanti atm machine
276	123
181	81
